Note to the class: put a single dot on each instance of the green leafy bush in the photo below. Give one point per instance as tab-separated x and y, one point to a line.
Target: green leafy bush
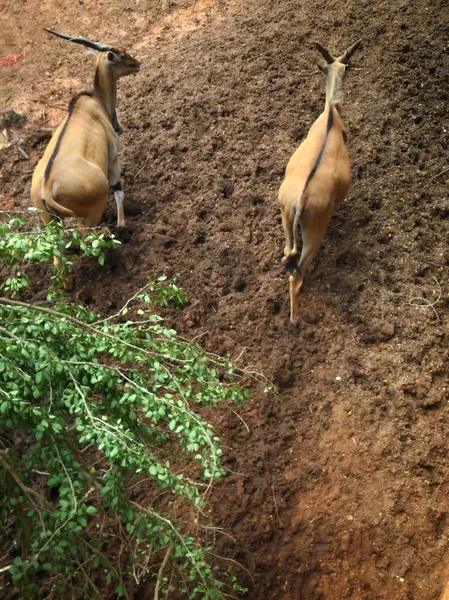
102	441
19	245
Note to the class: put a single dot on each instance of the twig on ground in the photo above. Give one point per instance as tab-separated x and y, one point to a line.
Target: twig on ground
140	170
239	417
276	506
420	555
127	303
199	336
426	303
434	264
22	152
236	562
240	355
3	569
439	485
438	174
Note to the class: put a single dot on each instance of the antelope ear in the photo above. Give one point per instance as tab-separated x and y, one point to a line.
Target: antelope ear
91	51
112	57
321	68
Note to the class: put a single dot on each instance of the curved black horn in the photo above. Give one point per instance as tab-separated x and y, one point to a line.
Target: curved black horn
325	52
81	40
348	53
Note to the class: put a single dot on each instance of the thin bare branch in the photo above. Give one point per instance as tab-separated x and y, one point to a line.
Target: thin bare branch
11	335
127	303
3	569
438	174
160	573
276	506
239	417
26	489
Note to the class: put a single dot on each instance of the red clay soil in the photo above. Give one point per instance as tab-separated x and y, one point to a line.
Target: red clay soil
339	490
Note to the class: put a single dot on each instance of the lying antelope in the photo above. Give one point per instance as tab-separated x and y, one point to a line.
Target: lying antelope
81	161
317	179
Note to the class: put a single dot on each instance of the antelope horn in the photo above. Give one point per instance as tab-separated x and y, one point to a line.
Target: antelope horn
81	40
325	52
348	53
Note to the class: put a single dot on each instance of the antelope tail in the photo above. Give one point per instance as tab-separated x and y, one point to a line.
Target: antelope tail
290	262
54	208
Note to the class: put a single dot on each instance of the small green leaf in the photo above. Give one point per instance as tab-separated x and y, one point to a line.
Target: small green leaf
120	590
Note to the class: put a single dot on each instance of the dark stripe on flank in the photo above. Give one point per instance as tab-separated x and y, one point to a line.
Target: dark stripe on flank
97	79
72	103
330	122
116	124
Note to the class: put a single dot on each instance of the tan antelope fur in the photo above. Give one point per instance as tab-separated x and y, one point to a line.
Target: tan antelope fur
317	179
81	161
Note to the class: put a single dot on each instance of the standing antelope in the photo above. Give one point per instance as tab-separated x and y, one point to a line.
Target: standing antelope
81	161
317	178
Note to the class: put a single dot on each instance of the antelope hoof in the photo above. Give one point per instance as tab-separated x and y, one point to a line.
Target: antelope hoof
295	320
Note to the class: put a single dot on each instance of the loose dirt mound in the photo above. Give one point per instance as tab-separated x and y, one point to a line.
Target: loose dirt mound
340	488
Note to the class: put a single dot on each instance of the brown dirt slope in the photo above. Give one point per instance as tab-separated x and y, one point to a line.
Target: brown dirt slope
340	488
